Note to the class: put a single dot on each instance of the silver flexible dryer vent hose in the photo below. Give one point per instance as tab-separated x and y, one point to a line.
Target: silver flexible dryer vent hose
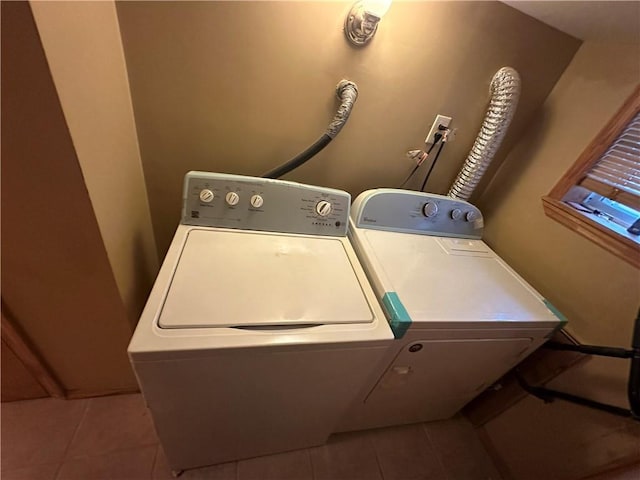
347	92
505	92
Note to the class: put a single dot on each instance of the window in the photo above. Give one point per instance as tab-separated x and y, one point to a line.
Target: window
599	196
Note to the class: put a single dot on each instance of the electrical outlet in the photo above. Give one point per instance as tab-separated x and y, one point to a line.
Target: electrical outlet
440	120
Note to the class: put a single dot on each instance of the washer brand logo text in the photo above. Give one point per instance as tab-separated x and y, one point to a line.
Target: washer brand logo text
367	219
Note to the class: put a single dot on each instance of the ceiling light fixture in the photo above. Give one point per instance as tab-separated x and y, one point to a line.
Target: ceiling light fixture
361	23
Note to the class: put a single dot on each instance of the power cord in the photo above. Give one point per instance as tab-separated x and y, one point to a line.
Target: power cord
447	135
433	164
421	156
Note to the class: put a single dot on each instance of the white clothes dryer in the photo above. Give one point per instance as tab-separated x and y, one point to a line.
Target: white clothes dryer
261	327
461	317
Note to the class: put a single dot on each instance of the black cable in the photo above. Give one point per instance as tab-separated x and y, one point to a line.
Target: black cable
410	175
437	137
433	164
299	159
613	352
548	395
633	389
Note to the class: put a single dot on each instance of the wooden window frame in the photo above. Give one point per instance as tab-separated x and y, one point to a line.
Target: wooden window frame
621	246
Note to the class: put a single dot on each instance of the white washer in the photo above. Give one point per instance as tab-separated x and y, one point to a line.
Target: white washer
261	327
462	318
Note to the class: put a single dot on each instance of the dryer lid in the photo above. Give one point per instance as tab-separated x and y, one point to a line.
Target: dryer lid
449	279
244	279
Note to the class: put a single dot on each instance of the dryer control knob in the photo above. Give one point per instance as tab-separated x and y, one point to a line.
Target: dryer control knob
257	201
456	214
232	198
206	196
323	208
430	209
471	216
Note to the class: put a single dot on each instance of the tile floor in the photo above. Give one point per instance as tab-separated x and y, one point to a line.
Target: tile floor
113	438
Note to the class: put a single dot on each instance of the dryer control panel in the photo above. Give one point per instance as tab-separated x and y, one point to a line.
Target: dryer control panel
416	212
254	203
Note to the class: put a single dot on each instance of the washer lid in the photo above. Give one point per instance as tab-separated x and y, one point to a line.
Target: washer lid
449	279
242	278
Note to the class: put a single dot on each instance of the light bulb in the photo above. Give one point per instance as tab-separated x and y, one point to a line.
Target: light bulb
376	7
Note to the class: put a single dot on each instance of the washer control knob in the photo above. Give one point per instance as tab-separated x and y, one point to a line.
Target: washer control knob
257	201
232	198
456	214
430	209
206	195
471	216
323	208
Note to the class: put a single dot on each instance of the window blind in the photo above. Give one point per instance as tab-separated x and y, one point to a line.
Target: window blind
616	174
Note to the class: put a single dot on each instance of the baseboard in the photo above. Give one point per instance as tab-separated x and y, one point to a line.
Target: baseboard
77	394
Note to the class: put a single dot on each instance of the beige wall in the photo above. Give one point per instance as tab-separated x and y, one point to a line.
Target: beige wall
56	278
84	51
241	87
598	292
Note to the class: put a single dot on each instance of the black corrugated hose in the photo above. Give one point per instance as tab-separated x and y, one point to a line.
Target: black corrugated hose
347	92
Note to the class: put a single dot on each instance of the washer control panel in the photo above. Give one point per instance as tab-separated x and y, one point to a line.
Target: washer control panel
253	203
416	212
